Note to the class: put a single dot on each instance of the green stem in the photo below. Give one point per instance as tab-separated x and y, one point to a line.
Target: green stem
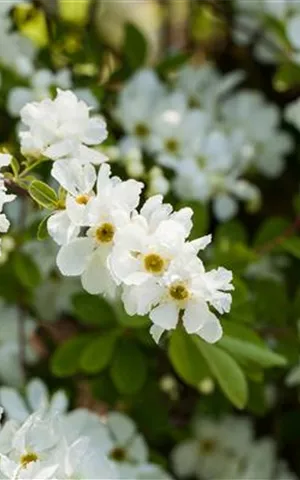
30	168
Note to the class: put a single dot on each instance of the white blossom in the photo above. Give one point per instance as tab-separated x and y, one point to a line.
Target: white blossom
36	396
39	449
211	453
62	128
109	211
5	160
136	106
78	181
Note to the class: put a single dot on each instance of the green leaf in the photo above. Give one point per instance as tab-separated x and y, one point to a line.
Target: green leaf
66	358
92	310
135	47
186	358
251	353
42	231
15	166
292	246
231	232
226	371
26	270
44	195
269	231
172	62
132	321
129	368
242	332
98	353
270	301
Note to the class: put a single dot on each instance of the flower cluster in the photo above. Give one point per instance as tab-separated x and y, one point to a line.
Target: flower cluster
42	440
213	454
108	242
62	128
209	137
281	38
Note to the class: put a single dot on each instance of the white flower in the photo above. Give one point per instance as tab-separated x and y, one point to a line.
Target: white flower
30	448
120	442
39	449
204	86
212	452
136	105
259	122
83	460
78	181
62	128
36	396
145	247
5	160
175	129
292	114
185	292
261	462
109	211
10	370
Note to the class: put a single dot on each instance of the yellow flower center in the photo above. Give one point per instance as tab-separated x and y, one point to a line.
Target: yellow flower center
207	446
118	454
105	233
154	263
172	145
141	130
179	291
82	199
28	458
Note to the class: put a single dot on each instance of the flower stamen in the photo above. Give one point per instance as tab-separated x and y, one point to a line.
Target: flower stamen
82	199
28	458
179	291
105	233
154	263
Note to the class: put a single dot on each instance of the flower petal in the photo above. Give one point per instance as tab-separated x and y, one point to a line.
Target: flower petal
73	257
165	315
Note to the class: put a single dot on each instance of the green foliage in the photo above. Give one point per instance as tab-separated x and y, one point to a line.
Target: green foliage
98	353
269	231
42	231
186	358
292	246
135	47
226	371
92	310
26	270
128	368
249	354
66	359
44	195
